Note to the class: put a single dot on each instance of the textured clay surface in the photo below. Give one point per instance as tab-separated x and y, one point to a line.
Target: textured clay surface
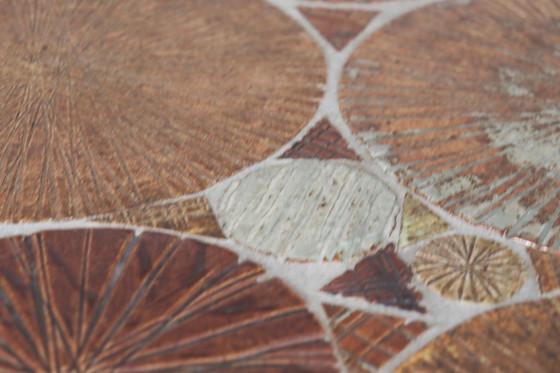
108	105
309	210
467	116
368	341
520	338
470	268
106	300
380	278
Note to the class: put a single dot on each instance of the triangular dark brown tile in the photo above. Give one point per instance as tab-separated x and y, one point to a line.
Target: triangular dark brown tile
379	278
324	142
338	26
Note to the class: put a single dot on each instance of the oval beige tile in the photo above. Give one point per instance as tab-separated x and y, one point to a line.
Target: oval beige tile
309	210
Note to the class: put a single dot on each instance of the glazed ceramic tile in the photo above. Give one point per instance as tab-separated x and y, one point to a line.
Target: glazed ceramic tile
323	142
338	26
310	186
106	106
419	222
461	101
519	338
470	268
309	210
366	341
191	216
101	299
380	278
547	266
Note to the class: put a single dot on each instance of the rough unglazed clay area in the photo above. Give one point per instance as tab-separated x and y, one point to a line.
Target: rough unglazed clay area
273	186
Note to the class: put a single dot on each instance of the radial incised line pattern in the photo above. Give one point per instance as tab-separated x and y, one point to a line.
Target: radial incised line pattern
470	268
107	105
107	300
460	99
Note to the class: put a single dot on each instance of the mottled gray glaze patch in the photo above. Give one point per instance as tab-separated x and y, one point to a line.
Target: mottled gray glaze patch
532	142
309	210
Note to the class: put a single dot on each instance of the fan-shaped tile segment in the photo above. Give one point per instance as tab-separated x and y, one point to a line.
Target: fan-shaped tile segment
111	105
309	210
190	216
419	222
105	299
367	341
381	278
460	99
323	142
470	268
547	266
338	26
518	338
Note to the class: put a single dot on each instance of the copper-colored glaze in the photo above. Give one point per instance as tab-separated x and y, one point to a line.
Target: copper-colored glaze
107	300
107	105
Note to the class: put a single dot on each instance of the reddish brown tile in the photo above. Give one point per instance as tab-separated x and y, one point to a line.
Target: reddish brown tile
518	338
381	278
108	106
190	216
338	26
104	299
376	357
324	142
370	340
547	266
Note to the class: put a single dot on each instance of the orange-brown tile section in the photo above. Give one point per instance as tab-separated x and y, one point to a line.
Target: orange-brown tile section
444	98
338	26
547	266
190	216
107	300
519	338
110	105
323	141
379	278
367	341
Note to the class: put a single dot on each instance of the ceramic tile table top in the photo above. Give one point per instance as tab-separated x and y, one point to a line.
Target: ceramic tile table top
278	186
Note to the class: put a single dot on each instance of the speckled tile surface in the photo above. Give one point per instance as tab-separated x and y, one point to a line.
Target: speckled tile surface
280	186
